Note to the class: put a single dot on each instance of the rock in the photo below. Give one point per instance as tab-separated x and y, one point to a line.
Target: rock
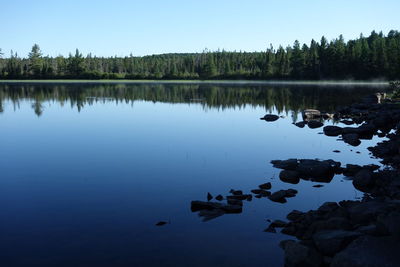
297	255
232	208
290	192
364	212
300	124
261	192
278	196
311	113
328	207
202	205
351	169
347	122
337	223
308	168
265	186
256	191
270	229
370	229
351	139
270	117
332	130
211	214
314	124
317	169
288	176
295	215
389	224
219	197
289	230
227	208
209	196
237	202
236	192
290	164
369	251
330	242
239	197
278	224
363	179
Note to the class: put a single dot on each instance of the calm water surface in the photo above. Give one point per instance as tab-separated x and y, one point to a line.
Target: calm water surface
87	170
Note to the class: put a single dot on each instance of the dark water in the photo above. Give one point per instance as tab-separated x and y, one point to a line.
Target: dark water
87	170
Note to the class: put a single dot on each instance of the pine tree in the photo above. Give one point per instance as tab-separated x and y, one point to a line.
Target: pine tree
35	60
76	64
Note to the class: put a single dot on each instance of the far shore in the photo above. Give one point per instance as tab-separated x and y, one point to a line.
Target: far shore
232	82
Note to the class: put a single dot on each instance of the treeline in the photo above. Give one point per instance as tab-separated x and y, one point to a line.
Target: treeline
374	57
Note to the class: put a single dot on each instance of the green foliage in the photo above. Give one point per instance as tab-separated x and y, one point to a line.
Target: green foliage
75	64
35	60
375	56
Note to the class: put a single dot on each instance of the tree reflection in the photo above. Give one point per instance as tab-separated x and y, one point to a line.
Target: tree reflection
281	99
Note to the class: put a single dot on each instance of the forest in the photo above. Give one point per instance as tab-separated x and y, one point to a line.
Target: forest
364	58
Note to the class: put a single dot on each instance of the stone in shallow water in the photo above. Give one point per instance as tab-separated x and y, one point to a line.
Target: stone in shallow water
278	224
219	197
236	192
331	130
270	229
288	176
351	139
278	196
289	164
265	186
314	124
161	223
270	117
300	124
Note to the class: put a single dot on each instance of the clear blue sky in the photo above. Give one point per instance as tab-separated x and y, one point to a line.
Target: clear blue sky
119	27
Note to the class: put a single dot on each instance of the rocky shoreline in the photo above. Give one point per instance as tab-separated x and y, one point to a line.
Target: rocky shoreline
350	233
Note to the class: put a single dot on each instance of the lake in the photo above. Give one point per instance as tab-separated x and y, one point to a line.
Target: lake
88	169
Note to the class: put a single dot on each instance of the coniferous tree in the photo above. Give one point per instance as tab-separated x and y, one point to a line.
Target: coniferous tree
35	60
